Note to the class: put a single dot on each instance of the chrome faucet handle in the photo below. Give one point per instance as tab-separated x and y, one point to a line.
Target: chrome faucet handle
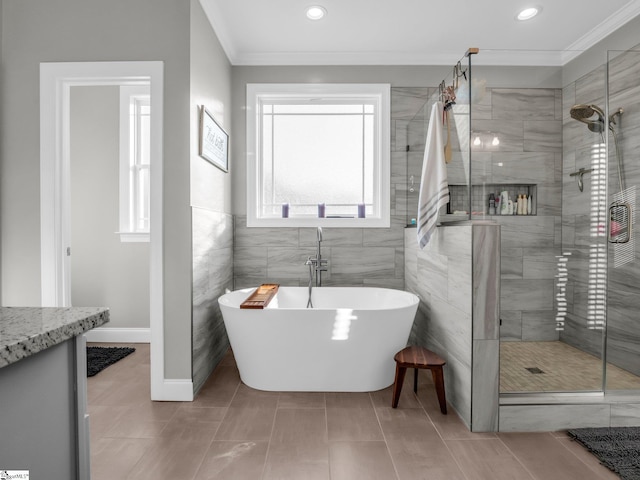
310	261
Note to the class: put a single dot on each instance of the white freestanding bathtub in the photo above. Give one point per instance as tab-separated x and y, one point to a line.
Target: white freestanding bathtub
346	343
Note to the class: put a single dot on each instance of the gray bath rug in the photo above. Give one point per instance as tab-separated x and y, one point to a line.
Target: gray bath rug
617	448
99	358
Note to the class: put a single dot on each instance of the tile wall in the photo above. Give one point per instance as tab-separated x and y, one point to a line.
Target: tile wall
528	123
212	275
357	256
456	276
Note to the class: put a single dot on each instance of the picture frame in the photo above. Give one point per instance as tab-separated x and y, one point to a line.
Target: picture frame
213	141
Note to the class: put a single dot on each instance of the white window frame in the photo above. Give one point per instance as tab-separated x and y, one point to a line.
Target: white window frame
379	93
129	231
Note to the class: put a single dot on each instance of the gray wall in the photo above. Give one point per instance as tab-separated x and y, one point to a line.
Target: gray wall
104	270
211	219
37	31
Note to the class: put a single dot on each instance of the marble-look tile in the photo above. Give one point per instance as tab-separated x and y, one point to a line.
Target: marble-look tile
457	377
385	237
530	231
510	133
558	105
549	200
250	261
486	282
568	100
539	326
406	102
373	261
590	88
527	295
541	418
399	138
623	72
432	274
625	414
453	241
511	328
523	103
284	262
264	237
543	136
460	283
452	328
539	267
511	267
395	283
523	167
486	385
399	167
339	237
483	109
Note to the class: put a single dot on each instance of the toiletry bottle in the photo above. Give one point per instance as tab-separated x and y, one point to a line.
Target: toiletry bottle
529	202
498	205
519	205
504	203
492	204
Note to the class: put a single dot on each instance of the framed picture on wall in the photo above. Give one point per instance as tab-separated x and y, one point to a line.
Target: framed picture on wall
214	141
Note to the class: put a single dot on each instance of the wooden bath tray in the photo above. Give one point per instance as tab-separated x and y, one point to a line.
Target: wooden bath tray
261	297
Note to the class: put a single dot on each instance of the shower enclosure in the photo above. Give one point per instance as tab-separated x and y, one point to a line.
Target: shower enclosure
570	278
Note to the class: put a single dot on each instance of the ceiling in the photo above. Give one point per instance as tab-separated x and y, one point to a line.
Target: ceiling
411	32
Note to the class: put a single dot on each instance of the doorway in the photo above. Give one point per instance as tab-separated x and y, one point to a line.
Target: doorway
56	80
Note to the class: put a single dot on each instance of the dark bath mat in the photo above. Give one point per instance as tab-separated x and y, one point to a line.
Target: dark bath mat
99	358
617	448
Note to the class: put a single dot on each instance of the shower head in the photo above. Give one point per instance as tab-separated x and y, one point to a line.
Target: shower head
584	113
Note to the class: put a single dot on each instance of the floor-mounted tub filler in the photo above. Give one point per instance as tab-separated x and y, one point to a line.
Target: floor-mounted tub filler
346	343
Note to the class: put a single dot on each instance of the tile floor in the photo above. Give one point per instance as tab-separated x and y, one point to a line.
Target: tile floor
233	432
565	369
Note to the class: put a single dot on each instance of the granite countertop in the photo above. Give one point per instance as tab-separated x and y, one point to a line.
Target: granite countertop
25	331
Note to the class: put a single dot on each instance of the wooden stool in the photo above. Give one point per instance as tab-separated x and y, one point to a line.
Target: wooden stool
419	357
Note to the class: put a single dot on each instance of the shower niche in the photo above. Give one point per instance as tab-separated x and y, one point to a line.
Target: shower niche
459	197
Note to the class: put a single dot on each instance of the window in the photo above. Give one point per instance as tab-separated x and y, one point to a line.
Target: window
318	148
134	163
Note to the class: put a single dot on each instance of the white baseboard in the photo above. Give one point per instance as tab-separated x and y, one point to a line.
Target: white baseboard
119	335
173	390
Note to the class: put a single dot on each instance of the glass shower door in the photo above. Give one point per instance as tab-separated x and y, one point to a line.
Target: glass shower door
623	273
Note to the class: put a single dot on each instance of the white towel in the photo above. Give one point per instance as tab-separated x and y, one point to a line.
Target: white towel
434	189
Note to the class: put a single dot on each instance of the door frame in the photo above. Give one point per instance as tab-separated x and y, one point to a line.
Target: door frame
56	80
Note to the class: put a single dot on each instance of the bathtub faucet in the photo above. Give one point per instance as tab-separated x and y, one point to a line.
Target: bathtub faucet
319	265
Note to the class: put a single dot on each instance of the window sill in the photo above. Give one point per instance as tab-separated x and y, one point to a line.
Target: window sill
132	237
329	222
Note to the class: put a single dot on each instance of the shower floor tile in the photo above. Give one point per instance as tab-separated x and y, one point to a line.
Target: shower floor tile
564	368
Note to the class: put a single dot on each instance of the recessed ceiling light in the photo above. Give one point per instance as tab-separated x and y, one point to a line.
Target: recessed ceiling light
529	13
316	12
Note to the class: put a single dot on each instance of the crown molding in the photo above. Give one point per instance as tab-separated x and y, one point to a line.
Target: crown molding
601	31
486	57
214	15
